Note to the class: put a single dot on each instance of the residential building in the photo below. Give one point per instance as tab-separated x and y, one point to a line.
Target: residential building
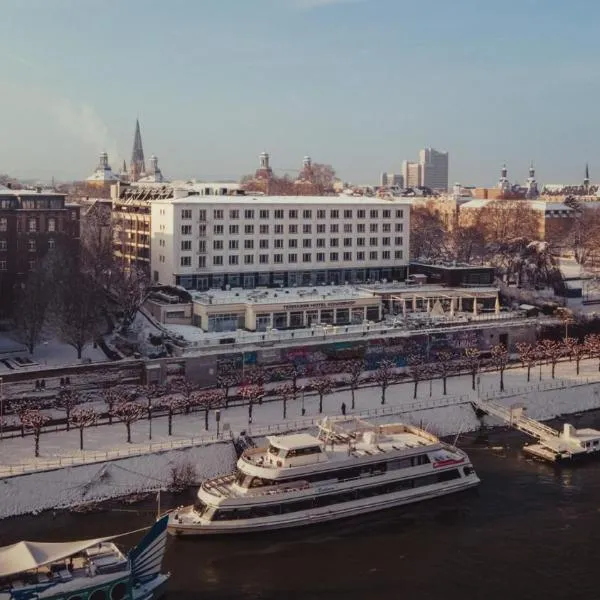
434	169
217	241
32	224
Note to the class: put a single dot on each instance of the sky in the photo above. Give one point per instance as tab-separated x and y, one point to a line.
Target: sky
358	84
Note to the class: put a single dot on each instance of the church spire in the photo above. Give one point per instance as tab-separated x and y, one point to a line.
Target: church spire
586	181
137	165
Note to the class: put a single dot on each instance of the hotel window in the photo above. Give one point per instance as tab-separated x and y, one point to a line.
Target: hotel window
373	228
360	241
277	244
347	214
202	262
186	261
348	228
278	229
333	256
263	214
360	256
334	214
249	229
218	245
321	228
233	259
360	228
2	244
202	229
217	260
386	227
202	215
321	214
217	214
218	230
307	228
292	214
293	229
264	230
373	255
186	230
307	243
387	214
307	214
399	214
385	255
347	242
234	229
234	244
51	224
249	259
386	241
321	243
248	214
334	242
3	265
31	265
374	214
347	256
201	246
334	229
186	213
32	225
398	254
277	258
248	244
292	243
361	214
263	259
292	258
263	243
373	241
320	256
234	214
307	257
31	245
279	214
398	241
399	227
186	245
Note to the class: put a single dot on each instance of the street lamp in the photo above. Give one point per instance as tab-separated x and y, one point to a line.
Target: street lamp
1	408
303	410
218	420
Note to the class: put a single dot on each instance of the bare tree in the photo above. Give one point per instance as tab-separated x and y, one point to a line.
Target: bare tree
171	404
255	376
418	370
20	408
128	413
83	417
384	376
185	388
592	343
97	253
500	359
33	419
323	385
527	356
552	352
67	399
226	381
445	367
251	393
131	287
473	363
576	351
113	396
286	392
354	370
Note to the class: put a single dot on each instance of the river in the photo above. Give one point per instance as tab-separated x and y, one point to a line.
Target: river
529	531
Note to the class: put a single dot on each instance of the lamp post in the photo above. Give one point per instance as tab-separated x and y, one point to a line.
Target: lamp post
1	408
303	410
218	420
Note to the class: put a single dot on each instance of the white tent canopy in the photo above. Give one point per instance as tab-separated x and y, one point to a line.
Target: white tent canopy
24	556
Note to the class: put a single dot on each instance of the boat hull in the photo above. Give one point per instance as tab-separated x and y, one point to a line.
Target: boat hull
344	510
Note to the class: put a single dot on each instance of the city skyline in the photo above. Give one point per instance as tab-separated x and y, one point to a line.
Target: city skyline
216	83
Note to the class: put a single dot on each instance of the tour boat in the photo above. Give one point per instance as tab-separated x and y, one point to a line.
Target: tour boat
350	468
85	569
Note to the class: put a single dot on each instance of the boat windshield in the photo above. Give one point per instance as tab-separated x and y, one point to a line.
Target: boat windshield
200	507
276	451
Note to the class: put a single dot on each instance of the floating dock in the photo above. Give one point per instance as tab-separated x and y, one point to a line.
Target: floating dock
552	445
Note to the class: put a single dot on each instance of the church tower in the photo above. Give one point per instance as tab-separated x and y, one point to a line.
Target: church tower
586	181
532	187
503	182
137	167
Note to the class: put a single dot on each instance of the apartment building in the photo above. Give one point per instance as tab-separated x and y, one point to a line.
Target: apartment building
209	242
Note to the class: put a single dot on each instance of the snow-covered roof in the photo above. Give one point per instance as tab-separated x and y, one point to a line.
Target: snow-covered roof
103	175
294	441
24	556
283	200
540	205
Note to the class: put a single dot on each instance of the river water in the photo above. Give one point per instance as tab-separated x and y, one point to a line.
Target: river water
529	531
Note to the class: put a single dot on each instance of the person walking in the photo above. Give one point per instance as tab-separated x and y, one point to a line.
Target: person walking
344	408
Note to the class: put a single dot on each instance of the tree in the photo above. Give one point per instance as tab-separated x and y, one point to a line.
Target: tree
67	399
418	369
427	233
552	352
185	388
113	396
251	393
171	404
592	343
323	385
584	234
97	252
445	366
83	417
286	392
355	370
128	413
385	375
322	177
576	351
131	287
527	356
33	419
21	408
473	363
500	359
227	380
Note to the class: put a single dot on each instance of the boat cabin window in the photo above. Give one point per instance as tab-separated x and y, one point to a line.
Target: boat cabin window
276	451
200	507
303	451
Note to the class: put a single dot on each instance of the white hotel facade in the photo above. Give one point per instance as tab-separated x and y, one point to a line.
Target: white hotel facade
207	242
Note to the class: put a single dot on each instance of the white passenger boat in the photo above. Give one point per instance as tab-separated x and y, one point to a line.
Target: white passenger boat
351	468
85	569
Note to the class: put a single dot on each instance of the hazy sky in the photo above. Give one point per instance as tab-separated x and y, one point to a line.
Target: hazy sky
360	84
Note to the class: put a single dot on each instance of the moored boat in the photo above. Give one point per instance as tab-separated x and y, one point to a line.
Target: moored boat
85	569
352	467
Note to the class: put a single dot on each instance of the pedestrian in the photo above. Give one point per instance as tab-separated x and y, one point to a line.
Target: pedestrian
344	408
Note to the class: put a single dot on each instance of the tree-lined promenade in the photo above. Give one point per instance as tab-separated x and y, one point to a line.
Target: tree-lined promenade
288	385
